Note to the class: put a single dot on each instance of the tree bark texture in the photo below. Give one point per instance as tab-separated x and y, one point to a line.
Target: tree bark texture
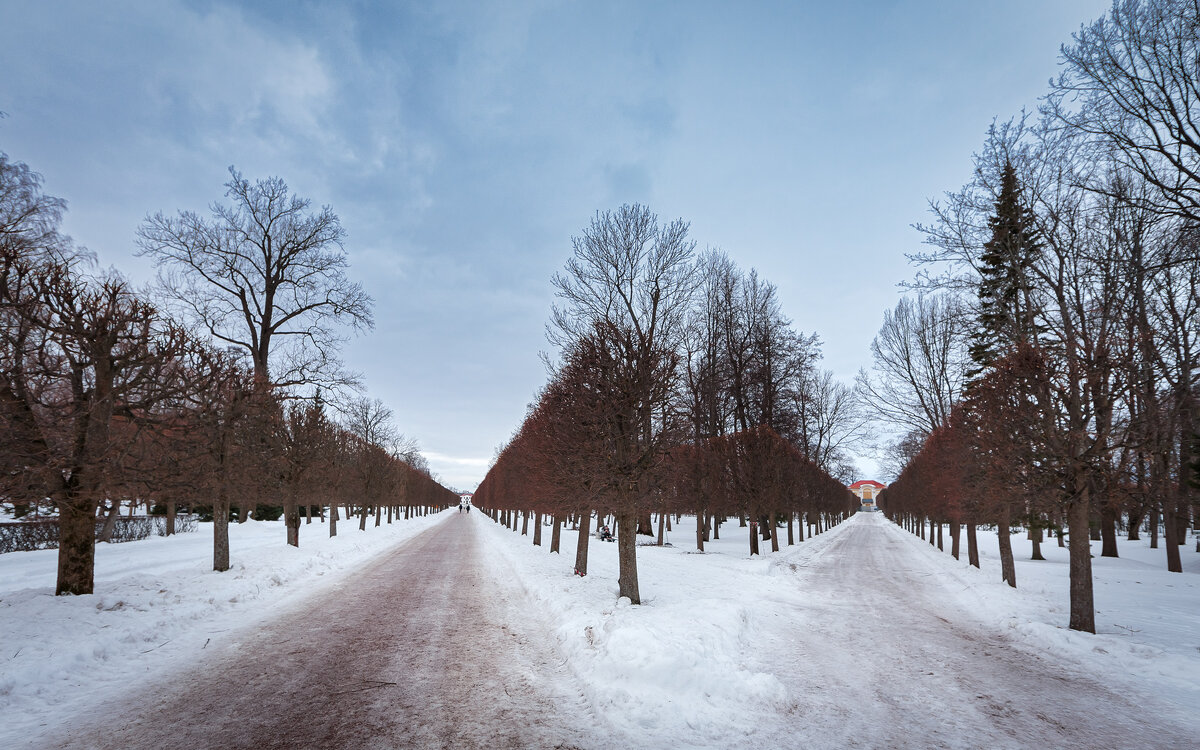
627	581
1008	569
1083	607
581	546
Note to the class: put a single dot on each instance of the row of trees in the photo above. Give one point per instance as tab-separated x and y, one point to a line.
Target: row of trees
206	389
680	387
1049	376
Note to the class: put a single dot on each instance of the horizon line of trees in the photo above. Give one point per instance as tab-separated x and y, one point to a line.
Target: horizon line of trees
208	388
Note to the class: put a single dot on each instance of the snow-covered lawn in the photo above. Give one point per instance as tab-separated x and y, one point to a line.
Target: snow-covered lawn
157	605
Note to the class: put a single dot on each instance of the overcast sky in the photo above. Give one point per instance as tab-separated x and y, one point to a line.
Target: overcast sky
463	144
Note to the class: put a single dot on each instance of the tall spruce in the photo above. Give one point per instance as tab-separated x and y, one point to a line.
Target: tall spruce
1006	307
1007	333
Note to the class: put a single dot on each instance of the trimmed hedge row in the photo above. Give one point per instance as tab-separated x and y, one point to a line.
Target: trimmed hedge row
21	536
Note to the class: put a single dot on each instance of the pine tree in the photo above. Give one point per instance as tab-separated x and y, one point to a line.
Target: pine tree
1006	309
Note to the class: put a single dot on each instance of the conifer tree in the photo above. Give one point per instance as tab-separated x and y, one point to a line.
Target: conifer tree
1007	336
1006	307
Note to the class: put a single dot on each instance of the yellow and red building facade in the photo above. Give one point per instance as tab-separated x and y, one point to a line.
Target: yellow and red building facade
867	490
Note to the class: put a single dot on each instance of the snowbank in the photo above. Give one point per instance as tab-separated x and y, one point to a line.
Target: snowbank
684	664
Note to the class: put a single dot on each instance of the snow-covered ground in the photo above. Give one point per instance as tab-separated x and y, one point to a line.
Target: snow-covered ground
1147	619
726	647
793	647
157	605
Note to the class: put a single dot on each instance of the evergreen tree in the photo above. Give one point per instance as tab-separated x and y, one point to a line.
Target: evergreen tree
1003	349
1006	309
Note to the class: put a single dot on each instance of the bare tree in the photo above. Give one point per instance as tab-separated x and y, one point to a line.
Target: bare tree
626	290
262	270
919	359
374	449
830	420
102	354
1130	80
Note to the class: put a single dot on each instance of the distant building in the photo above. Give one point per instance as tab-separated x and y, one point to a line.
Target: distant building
464	498
867	490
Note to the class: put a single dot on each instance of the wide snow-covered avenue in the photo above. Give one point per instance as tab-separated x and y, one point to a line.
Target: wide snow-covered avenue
461	634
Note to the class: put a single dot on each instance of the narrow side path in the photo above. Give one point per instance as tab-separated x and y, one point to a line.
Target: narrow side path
426	647
883	654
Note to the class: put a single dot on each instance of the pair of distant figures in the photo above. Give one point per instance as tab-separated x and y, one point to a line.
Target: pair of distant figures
464	506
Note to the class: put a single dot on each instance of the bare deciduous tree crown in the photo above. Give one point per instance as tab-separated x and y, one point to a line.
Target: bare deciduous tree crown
261	268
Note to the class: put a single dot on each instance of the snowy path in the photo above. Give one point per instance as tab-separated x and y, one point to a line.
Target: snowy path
423	648
886	655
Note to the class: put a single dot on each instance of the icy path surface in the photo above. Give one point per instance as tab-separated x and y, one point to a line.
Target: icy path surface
428	646
884	653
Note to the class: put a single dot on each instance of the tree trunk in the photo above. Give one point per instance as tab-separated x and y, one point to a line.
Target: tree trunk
791	532
939	534
1008	569
110	521
1083	608
627	557
333	519
774	533
76	546
170	530
955	532
581	546
645	524
1035	540
362	517
662	522
537	530
524	523
701	530
554	535
221	532
1135	522
291	519
1171	537
972	546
